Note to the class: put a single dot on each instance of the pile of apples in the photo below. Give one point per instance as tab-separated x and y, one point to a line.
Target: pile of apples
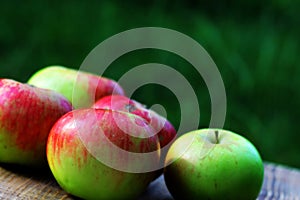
100	144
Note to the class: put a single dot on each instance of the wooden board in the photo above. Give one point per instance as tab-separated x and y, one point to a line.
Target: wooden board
280	182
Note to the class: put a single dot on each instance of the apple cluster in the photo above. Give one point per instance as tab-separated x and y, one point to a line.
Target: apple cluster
100	144
77	121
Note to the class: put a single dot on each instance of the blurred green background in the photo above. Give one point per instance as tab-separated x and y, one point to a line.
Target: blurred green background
255	45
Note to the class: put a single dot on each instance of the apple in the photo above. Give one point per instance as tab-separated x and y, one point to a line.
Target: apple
213	164
102	154
79	87
164	129
27	114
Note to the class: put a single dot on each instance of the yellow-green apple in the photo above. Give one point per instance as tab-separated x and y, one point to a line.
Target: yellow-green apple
103	154
213	164
81	88
164	129
27	114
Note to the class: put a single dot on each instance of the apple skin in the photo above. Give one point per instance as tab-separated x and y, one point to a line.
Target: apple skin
26	116
198	168
89	87
164	129
78	139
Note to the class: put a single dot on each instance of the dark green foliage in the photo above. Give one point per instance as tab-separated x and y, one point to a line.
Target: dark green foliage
255	45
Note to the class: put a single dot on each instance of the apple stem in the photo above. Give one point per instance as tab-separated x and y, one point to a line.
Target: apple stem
217	136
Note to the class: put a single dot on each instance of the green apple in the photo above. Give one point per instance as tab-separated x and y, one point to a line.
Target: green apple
213	164
82	89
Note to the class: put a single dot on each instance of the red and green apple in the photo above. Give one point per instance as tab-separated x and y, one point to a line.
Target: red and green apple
164	129
27	114
103	154
81	88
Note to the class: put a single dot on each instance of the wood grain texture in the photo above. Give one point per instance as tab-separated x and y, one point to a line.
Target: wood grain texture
280	182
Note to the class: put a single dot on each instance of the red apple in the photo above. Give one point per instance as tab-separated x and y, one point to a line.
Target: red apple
102	154
27	114
164	129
